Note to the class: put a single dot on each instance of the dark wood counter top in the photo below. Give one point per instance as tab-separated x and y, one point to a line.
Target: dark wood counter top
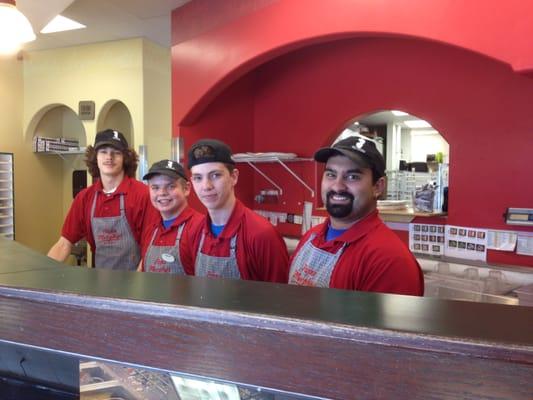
322	342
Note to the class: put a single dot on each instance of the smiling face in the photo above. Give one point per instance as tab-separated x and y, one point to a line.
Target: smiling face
110	161
214	185
169	195
348	191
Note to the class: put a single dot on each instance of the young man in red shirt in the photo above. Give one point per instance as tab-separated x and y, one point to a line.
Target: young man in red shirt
110	213
234	242
167	243
353	249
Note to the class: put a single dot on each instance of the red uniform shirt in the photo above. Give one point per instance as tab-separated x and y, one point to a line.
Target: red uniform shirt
261	252
374	259
138	207
194	222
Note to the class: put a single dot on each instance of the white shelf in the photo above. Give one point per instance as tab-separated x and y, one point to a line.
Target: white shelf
251	161
7	217
61	153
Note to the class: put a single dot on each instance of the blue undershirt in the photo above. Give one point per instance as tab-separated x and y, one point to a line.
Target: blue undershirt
216	229
168	223
333	233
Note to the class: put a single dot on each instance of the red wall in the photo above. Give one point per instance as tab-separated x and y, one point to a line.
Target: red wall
299	101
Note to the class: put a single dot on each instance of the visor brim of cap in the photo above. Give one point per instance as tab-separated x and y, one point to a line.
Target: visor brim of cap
324	154
166	172
114	144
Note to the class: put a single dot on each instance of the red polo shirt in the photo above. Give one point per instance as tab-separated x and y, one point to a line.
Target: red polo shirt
194	222
374	259
137	203
261	252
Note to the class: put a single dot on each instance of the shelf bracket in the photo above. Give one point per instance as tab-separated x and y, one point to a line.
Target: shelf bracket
290	171
251	164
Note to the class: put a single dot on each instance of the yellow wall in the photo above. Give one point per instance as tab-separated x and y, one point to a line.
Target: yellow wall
157	97
34	219
134	72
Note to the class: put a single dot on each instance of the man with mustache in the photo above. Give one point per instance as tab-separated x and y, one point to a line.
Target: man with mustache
353	249
111	212
235	242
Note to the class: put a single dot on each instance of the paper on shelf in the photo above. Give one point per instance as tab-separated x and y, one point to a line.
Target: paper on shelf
524	245
501	240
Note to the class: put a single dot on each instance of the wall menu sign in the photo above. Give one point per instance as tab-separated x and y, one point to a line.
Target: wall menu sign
464	242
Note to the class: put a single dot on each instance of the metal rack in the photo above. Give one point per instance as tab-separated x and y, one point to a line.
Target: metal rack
251	161
7	194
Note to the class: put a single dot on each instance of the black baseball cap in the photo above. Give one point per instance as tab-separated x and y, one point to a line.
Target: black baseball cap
358	149
209	150
110	137
169	168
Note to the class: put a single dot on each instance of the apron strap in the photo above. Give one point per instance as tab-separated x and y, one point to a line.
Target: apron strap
180	233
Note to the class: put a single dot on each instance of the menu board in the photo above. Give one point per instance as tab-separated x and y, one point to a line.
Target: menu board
465	242
426	239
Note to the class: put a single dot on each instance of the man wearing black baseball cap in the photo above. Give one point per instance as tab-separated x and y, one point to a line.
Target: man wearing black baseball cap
167	243
353	249
234	242
110	213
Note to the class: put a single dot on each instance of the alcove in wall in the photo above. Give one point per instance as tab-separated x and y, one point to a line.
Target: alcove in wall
60	124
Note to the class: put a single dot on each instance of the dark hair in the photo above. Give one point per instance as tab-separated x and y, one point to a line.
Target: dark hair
131	160
230	167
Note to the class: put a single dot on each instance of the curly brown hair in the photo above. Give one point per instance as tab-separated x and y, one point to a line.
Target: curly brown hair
131	160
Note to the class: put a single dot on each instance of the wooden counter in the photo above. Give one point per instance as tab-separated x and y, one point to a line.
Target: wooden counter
321	342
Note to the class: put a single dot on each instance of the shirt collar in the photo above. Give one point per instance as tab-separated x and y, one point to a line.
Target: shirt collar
183	216
231	227
122	187
356	231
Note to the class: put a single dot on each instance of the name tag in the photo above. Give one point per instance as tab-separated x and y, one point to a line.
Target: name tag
167	257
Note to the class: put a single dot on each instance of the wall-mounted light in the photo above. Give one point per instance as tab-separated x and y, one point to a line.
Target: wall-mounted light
15	29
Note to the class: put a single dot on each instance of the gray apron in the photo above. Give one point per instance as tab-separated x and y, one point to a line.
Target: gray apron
115	246
313	266
164	259
217	267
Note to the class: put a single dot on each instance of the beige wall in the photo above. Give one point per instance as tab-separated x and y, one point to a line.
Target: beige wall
134	72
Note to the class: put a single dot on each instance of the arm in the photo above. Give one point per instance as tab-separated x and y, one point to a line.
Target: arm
61	250
140	266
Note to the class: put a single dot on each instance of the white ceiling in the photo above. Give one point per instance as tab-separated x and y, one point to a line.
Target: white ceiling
105	20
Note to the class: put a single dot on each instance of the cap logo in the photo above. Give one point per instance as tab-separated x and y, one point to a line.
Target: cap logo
203	151
115	136
359	145
169	165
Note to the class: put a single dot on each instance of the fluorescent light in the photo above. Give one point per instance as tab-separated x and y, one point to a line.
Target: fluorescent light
61	24
398	113
417	123
15	29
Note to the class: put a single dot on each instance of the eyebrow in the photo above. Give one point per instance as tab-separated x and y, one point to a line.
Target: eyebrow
350	171
208	172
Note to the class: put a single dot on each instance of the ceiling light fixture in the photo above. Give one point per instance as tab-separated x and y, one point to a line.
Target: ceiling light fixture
61	24
15	29
417	123
398	113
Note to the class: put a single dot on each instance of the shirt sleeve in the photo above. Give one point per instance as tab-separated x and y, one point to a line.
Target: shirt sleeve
397	274
144	214
268	257
75	224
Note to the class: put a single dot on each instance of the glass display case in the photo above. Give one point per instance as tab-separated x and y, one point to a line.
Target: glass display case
7	193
